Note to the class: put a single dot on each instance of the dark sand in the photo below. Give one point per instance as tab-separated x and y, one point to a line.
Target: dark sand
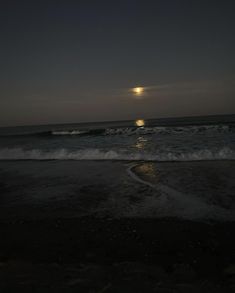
84	227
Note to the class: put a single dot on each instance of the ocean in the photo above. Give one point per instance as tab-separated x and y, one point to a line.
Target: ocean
132	206
177	168
175	139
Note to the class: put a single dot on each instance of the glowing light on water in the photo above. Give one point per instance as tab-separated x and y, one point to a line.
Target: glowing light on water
140	122
141	143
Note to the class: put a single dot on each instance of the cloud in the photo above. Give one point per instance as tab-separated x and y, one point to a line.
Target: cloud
206	87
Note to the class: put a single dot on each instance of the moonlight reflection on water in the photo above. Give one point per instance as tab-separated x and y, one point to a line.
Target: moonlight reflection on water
140	122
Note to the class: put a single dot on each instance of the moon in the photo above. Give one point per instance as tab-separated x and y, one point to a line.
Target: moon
138	91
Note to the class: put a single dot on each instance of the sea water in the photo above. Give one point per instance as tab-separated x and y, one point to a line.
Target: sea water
113	169
179	139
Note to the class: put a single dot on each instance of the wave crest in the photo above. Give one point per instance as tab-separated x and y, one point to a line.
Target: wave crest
126	131
168	130
69	132
97	154
148	130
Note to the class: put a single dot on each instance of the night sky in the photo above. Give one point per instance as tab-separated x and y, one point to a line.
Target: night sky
77	61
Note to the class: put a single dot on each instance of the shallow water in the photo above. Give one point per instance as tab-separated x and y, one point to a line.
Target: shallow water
200	191
167	181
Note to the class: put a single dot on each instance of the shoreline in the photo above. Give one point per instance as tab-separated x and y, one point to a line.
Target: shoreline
189	190
86	226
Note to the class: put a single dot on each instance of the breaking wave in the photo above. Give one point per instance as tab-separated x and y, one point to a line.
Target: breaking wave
78	132
72	132
168	130
148	130
127	131
97	154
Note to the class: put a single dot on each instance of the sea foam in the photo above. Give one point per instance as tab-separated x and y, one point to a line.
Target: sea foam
96	154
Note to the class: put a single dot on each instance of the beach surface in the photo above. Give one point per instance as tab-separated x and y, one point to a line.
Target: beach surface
102	226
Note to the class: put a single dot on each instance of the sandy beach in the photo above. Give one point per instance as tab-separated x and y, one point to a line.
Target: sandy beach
76	226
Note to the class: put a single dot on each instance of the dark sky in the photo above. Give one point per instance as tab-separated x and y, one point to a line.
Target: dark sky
75	61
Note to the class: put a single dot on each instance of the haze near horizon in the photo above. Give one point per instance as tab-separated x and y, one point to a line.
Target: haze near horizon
71	62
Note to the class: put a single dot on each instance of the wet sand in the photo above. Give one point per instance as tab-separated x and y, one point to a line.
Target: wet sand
79	227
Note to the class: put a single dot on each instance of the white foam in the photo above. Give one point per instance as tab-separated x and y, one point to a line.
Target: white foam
168	202
168	130
150	130
68	132
97	154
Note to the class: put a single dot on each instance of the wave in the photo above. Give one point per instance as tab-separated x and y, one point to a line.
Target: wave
70	132
147	130
171	202
97	154
169	130
78	132
126	131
